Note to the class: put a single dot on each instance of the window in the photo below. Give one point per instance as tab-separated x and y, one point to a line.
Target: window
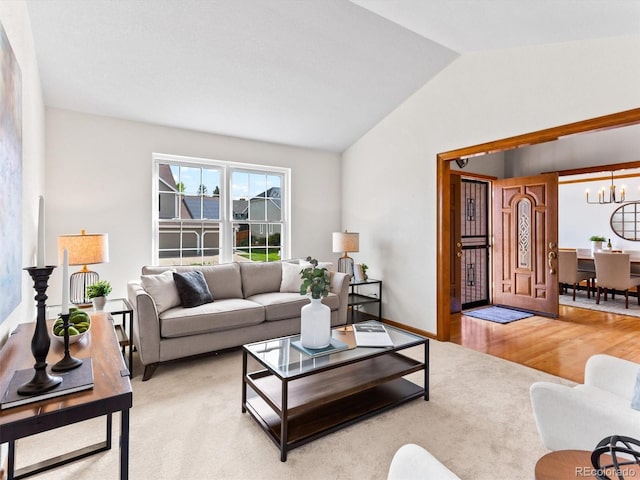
211	212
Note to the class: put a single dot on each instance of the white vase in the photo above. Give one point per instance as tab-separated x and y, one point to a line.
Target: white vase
315	324
99	303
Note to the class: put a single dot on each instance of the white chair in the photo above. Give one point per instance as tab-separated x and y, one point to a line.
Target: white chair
613	271
568	273
414	462
577	418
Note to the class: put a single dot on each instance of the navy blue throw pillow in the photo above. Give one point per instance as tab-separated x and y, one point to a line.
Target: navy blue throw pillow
192	288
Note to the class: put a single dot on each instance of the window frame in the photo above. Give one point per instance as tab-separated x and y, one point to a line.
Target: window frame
226	221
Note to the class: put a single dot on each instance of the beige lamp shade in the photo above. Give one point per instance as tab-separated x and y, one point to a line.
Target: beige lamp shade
346	242
84	249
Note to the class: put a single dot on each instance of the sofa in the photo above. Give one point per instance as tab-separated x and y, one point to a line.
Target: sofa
578	417
235	303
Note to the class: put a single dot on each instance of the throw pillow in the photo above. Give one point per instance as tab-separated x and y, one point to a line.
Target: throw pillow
291	279
192	288
162	289
635	401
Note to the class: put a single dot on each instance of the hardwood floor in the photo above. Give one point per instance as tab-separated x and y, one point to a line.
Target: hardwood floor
558	346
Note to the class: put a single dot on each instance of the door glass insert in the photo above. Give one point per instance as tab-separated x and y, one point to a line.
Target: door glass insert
524	233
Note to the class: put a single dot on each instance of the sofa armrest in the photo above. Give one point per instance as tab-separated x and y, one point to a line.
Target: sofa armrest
146	325
340	286
612	374
568	418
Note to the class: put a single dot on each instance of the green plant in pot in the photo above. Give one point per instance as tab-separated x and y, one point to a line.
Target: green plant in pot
98	292
315	317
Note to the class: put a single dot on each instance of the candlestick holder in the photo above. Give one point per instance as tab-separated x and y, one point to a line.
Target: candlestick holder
40	343
68	362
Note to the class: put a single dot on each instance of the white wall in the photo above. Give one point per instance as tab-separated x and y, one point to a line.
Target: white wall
99	179
15	20
389	191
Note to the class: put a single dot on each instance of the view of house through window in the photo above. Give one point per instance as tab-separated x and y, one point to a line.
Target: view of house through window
219	212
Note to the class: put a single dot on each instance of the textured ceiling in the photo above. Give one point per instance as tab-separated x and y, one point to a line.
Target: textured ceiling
311	73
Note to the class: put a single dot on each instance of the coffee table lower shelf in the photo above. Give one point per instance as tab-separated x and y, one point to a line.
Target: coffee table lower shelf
312	424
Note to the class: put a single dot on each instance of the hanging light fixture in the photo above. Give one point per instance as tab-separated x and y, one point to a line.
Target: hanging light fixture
612	198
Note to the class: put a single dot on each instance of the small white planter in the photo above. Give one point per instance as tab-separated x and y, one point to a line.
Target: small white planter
99	303
596	247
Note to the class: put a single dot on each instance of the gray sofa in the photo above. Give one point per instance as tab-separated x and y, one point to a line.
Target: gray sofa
252	301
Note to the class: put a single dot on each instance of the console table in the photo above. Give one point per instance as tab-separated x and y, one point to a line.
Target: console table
111	393
114	306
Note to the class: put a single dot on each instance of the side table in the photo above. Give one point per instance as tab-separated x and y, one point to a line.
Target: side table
357	297
575	464
114	306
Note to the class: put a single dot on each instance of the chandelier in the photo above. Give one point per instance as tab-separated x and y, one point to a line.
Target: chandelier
611	197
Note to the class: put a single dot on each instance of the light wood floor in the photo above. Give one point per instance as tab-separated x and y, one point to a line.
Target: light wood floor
558	346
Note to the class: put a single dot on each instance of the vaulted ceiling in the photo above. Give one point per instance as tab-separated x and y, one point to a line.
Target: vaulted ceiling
312	73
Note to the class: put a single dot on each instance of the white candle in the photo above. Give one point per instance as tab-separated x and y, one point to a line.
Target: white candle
65	282
40	245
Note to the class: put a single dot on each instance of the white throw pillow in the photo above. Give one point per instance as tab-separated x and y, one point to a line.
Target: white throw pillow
162	289
291	279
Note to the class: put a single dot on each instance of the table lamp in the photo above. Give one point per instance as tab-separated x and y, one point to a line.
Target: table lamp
84	249
346	242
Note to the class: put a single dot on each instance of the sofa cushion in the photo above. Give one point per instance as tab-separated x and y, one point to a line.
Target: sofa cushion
280	306
192	288
291	279
260	277
210	317
162	289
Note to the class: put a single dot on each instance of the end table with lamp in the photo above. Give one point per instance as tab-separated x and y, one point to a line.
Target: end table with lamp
358	297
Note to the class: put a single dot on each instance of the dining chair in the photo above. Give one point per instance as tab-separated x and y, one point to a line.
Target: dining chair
613	272
568	273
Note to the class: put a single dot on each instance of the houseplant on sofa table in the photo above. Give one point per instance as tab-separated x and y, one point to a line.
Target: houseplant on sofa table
98	292
315	318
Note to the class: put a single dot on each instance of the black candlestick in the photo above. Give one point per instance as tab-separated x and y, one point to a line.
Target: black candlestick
68	362
41	381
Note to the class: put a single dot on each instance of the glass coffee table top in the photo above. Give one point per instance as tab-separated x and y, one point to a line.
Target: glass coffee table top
286	361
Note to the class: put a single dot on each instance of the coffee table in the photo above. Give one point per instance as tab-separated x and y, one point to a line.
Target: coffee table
296	398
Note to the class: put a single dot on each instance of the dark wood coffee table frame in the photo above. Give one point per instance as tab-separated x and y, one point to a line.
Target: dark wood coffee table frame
111	393
297	409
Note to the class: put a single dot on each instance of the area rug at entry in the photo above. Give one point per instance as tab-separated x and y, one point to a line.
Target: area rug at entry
498	314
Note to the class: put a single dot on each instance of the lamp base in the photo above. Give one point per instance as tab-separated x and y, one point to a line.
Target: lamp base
345	265
78	286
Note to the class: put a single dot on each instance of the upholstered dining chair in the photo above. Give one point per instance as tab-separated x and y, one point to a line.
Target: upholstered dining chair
613	272
568	273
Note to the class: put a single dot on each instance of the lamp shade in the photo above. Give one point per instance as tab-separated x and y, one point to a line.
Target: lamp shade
346	241
84	249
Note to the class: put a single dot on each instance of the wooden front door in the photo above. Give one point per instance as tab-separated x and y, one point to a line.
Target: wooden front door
525	227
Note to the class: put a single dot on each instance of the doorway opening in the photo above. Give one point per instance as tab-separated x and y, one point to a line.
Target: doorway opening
444	227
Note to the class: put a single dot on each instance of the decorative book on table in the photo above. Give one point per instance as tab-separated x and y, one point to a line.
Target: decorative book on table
371	334
334	346
75	380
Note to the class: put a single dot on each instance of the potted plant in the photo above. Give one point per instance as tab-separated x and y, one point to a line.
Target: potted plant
98	292
596	243
315	318
364	272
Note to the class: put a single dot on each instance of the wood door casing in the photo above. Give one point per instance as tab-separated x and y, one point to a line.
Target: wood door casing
525	232
456	244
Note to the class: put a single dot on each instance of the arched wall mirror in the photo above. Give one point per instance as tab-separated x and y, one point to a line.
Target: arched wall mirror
625	221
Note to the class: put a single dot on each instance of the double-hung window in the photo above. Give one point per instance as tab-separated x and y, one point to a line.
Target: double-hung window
210	212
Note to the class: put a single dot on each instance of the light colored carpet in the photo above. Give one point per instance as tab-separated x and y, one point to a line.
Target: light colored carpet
614	306
187	423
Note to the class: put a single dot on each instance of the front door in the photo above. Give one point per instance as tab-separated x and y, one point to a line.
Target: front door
525	227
